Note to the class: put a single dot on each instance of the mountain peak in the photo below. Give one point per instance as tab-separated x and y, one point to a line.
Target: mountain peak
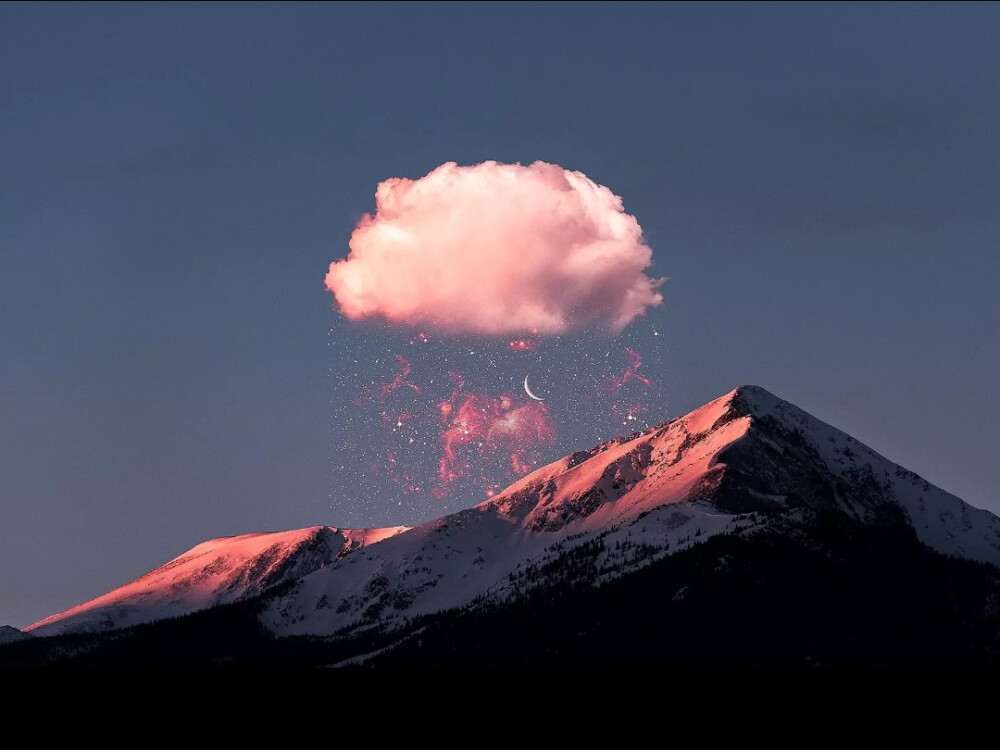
753	400
742	401
752	392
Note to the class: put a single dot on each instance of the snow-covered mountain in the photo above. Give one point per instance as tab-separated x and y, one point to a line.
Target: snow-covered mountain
10	634
219	571
742	462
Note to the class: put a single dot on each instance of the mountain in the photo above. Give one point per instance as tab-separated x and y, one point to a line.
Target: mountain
219	571
731	466
10	634
747	498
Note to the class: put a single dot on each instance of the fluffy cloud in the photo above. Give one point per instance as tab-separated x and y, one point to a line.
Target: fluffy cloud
497	249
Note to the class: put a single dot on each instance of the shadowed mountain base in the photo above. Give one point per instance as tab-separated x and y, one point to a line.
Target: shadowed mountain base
833	592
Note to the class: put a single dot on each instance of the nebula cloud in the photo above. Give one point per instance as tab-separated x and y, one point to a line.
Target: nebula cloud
478	426
497	249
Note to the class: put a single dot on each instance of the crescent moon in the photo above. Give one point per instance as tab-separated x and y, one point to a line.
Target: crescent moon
527	389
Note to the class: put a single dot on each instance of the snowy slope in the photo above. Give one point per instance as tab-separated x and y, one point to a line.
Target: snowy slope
788	451
216	572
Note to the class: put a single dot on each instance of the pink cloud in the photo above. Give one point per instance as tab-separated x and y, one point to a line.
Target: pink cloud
497	249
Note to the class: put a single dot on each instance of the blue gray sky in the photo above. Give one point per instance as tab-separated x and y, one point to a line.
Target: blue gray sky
820	183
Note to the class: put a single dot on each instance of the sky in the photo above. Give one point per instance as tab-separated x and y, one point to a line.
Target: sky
818	186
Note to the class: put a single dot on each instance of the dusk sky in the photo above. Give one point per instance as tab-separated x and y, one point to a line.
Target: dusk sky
818	184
